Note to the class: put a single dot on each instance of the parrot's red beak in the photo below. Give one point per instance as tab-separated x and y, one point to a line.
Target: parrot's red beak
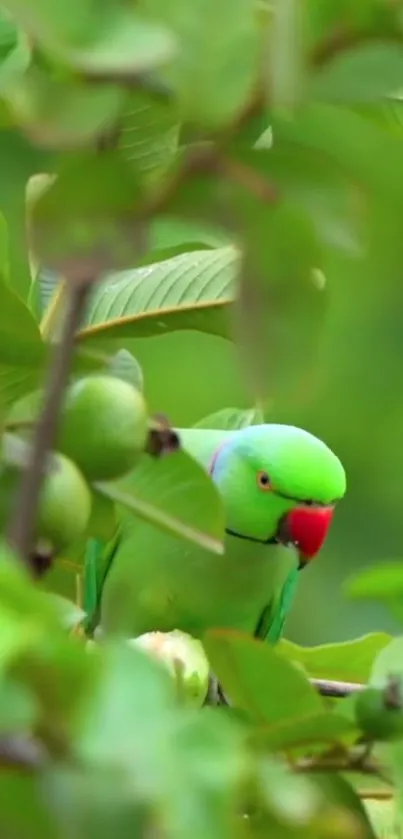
307	528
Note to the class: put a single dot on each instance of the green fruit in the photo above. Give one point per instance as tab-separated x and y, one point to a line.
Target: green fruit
103	426
377	719
64	505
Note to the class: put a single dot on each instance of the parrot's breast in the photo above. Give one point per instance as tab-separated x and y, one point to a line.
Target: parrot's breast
177	585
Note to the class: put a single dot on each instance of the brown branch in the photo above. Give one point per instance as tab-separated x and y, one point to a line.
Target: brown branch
376	794
24	754
338	690
23	520
332	763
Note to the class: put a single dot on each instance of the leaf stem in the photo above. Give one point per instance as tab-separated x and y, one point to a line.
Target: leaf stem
338	690
22	523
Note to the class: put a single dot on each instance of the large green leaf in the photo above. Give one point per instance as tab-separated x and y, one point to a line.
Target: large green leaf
258	680
141	760
175	494
362	74
352	142
217	41
15	51
62	113
347	661
317	728
22	353
110	38
149	132
189	291
379	582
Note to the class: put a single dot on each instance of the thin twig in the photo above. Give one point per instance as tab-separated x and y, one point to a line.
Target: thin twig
376	794
350	763
23	519
338	690
24	754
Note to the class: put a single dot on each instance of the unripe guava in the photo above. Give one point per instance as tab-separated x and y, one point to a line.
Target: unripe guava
185	659
103	426
64	504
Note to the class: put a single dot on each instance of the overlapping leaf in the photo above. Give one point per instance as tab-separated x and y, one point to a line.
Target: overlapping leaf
175	494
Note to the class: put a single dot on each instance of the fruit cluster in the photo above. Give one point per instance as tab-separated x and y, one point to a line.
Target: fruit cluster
102	432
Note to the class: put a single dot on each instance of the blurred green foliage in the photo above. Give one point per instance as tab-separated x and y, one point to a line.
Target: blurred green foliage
231	173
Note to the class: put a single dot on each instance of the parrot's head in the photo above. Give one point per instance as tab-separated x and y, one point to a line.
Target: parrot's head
279	484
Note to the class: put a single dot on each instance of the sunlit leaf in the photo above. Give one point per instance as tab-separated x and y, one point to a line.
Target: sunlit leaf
190	291
346	661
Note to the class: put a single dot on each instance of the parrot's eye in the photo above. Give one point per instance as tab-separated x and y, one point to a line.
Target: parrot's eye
263	481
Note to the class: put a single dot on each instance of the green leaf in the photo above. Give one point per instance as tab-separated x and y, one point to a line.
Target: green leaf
384	815
362	74
140	759
258	680
100	232
231	419
15	51
216	41
170	232
59	112
350	141
309	180
381	582
173	493
22	353
346	661
149	133
339	792
122	43
31	818
389	662
190	291
125	366
131	682
110	39
316	728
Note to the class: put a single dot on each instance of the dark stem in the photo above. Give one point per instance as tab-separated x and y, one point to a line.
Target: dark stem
21	753
336	689
23	519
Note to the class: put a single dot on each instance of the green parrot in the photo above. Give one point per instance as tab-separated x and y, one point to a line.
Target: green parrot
279	486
